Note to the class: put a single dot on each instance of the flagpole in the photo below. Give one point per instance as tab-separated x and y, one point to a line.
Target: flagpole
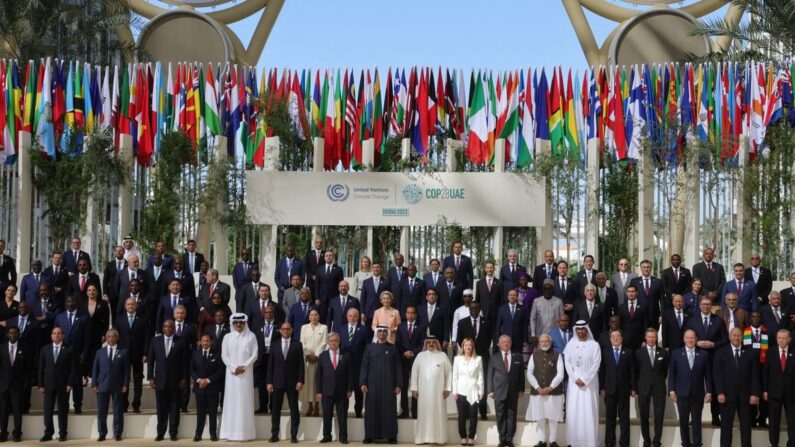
268	249
368	161
24	201
405	153
498	233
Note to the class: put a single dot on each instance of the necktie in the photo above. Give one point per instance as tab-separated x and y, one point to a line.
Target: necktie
82	283
305	306
756	334
212	289
736	358
646	286
263	306
71	319
549	271
431	309
411	284
334	359
505	360
397	270
513	268
709	266
328	269
590	309
168	346
37	279
191	263
255	286
110	354
56	269
12	353
75	257
739	288
157	273
130	320
435	279
457	262
267	329
375	283
350	334
317	256
56	352
616	355
179	328
676	274
285	347
783	360
488	282
632	309
217	331
588	275
22	321
475	328
118	265
411	329
601	295
690	358
513	311
623	279
778	316
706	324
205	355
173	301
132	275
342	303
679	317
563	284
449	289
651	356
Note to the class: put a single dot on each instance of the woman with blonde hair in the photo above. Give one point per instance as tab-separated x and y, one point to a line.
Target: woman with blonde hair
387	315
365	271
314	339
467	389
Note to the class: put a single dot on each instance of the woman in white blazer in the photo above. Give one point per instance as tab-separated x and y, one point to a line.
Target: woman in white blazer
467	389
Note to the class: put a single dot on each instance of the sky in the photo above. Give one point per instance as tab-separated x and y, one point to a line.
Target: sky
494	34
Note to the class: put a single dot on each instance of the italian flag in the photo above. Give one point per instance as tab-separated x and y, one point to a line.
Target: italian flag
477	143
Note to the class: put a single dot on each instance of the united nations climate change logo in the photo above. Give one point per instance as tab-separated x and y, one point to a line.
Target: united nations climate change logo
412	193
338	192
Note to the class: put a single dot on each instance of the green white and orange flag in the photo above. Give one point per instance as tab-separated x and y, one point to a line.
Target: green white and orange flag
477	141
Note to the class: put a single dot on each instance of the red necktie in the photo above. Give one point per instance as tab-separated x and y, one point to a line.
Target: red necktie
212	289
632	310
82	283
783	361
739	288
334	359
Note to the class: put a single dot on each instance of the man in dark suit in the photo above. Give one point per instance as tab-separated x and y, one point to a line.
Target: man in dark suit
461	264
256	308
74	255
434	317
220	329
299	313
327	279
56	368
615	384
334	384
371	292
79	281
42	314
241	272
354	340
674	323
675	280
156	278
394	276
338	307
266	332
110	379
434	277
490	293
564	288
124	278
409	342
547	270
736	387
28	343
509	274
312	260
134	338
607	296
634	318
744	290
15	367
207	374
585	276
191	258
167	370
288	266
115	266
689	382
167	303
285	376
762	278
8	267
477	328
650	293
774	315
76	332
711	334
412	289
212	285
29	287
57	277
505	384
712	275
186	278
512	321
591	311
778	385
451	293
648	384
160	250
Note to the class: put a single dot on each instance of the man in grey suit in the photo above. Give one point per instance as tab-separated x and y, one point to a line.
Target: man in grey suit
621	279
292	295
505	384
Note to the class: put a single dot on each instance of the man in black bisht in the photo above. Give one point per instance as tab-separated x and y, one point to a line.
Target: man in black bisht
380	381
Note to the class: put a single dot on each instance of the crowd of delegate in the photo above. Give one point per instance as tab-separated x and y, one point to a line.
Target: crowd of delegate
398	344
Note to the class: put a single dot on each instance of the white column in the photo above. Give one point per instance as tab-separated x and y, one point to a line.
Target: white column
645	207
318	159
126	192
692	212
405	153
368	163
498	234
544	234
453	147
677	239
268	251
742	246
220	260
24	204
592	186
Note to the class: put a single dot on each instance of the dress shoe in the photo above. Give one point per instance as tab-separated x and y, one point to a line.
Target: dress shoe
763	424
367	441
117	438
214	438
500	444
184	409
101	438
554	444
343	441
159	438
61	438
173	437
45	438
716	422
391	441
78	410
136	409
293	440
274	439
325	440
197	438
261	411
403	416
18	438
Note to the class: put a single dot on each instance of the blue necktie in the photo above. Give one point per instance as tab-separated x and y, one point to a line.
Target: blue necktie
617	355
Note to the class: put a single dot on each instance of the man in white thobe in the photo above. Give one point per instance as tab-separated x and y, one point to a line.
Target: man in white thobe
583	357
239	352
431	383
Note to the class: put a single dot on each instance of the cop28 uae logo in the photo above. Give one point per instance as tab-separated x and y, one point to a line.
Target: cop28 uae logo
338	192
412	193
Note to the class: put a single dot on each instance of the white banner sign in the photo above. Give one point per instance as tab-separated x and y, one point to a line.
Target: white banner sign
384	198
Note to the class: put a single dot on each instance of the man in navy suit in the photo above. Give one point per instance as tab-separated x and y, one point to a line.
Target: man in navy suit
674	323
547	270
512	321
288	266
354	339
285	376
207	373
394	276
80	280
240	273
409	341
266	331
371	292
156	278
462	264
434	317
650	292
57	277
761	276
334	384
167	303
15	366
124	277
191	258
509	273
299	313
615	384
585	276
76	331
744	289
338	307
56	367
71	257
564	288
28	342
110	378
711	334
186	278
42	313
451	292
312	260
489	291
689	382
134	338
434	277
256	308
167	369
736	387
160	250
412	289
30	282
327	279
112	268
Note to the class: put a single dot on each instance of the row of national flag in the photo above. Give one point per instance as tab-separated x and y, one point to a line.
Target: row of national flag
622	108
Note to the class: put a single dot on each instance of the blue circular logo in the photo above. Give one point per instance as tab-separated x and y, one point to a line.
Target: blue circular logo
338	192
412	193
